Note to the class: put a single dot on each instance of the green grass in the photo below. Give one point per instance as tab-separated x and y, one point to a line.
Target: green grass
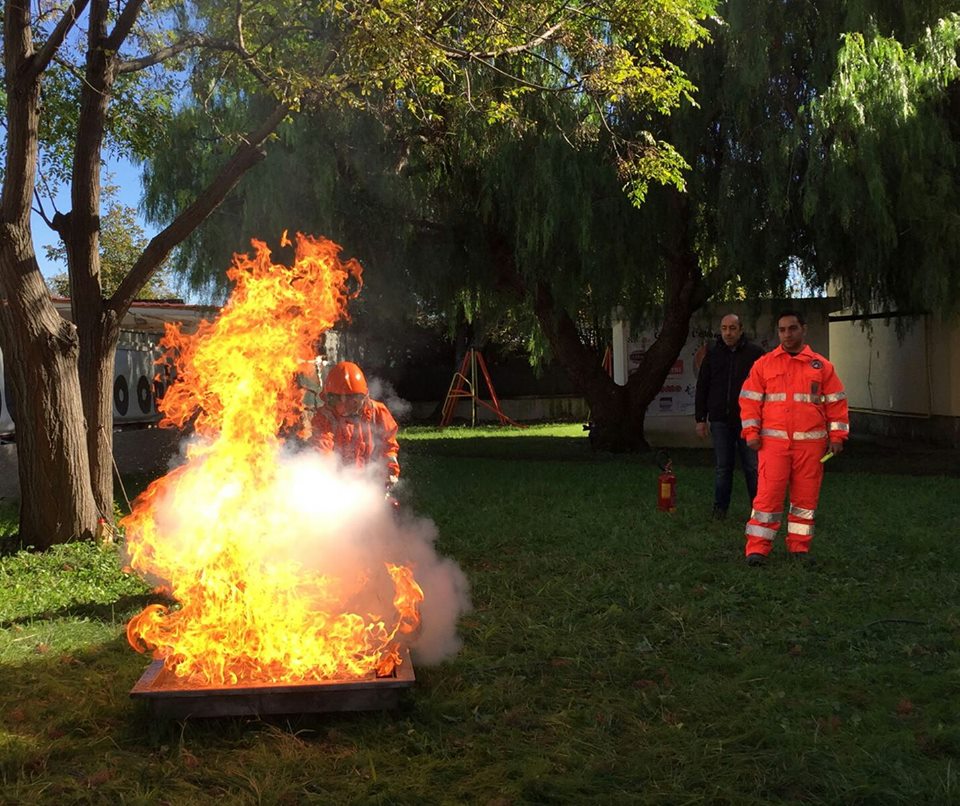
614	654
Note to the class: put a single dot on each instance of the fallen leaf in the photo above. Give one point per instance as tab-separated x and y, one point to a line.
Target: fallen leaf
190	761
98	778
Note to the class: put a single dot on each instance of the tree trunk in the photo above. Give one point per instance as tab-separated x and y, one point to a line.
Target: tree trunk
65	441
684	294
612	425
41	349
80	231
618	413
98	347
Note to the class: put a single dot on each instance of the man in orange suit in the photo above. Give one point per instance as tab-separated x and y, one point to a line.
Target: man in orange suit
359	430
793	410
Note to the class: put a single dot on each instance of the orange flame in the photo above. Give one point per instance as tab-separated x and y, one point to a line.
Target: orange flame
250	607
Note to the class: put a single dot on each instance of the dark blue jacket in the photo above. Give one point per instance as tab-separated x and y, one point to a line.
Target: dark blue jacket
721	375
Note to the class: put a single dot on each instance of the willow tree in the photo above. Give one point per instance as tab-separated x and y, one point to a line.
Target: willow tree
555	106
526	219
819	141
882	195
90	75
765	197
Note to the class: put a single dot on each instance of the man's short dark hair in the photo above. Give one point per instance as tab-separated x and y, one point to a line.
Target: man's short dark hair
797	314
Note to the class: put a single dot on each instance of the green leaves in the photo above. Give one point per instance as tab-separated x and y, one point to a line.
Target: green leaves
882	191
443	62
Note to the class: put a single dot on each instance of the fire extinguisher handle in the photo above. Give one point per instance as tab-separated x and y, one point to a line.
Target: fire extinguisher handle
663	460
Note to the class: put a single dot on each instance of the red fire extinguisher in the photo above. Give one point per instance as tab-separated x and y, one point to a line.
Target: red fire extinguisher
667	487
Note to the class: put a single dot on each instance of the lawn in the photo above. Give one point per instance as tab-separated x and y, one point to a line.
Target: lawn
614	654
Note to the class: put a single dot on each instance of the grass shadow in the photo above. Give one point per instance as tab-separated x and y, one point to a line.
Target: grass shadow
860	456
106	612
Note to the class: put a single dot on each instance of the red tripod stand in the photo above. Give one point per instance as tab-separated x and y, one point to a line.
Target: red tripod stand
472	361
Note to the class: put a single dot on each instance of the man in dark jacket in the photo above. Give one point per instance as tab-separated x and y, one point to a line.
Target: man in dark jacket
721	375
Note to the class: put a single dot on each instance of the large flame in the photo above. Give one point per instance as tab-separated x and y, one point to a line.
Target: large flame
217	530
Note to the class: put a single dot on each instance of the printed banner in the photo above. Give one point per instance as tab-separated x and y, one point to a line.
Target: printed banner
678	394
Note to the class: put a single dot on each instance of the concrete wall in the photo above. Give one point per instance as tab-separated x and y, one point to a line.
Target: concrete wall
881	372
902	376
522	409
943	351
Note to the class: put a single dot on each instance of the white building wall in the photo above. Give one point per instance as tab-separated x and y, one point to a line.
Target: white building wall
915	372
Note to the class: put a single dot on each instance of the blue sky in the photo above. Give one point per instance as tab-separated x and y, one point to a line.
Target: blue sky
122	173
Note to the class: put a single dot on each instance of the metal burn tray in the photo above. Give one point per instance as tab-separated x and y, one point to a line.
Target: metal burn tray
171	698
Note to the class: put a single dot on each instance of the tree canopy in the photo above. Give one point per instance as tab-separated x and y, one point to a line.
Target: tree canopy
92	75
799	146
881	192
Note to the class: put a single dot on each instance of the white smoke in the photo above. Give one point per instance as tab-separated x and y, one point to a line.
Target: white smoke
384	392
362	532
331	521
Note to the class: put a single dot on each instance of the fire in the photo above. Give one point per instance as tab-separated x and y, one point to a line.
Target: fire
217	530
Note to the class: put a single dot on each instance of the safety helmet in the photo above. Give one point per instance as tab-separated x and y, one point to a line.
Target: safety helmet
345	378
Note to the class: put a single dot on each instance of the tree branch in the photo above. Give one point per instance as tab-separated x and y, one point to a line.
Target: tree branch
522	81
42	57
459	53
40	210
128	16
244	158
133	65
557	12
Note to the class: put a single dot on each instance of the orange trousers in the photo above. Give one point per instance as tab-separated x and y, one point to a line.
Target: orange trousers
786	463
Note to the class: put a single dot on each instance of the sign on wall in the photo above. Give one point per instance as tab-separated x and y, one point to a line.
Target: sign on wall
677	396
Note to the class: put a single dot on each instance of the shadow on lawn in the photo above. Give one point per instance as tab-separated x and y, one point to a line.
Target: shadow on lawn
861	456
94	611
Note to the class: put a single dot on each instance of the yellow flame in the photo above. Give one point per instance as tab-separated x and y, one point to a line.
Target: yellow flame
248	607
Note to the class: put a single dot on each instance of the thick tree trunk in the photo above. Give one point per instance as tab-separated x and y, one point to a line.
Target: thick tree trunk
618	413
39	346
684	294
65	441
41	349
98	346
612	425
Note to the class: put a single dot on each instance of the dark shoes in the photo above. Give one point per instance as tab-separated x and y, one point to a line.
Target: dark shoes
719	514
756	560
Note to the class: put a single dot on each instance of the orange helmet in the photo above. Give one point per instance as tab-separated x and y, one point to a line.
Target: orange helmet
345	378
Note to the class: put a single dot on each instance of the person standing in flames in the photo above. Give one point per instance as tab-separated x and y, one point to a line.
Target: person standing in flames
792	408
361	431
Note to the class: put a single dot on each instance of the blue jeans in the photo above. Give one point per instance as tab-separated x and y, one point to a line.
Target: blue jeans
726	444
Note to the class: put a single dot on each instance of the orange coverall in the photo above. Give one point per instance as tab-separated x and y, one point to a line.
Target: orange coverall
369	437
795	404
